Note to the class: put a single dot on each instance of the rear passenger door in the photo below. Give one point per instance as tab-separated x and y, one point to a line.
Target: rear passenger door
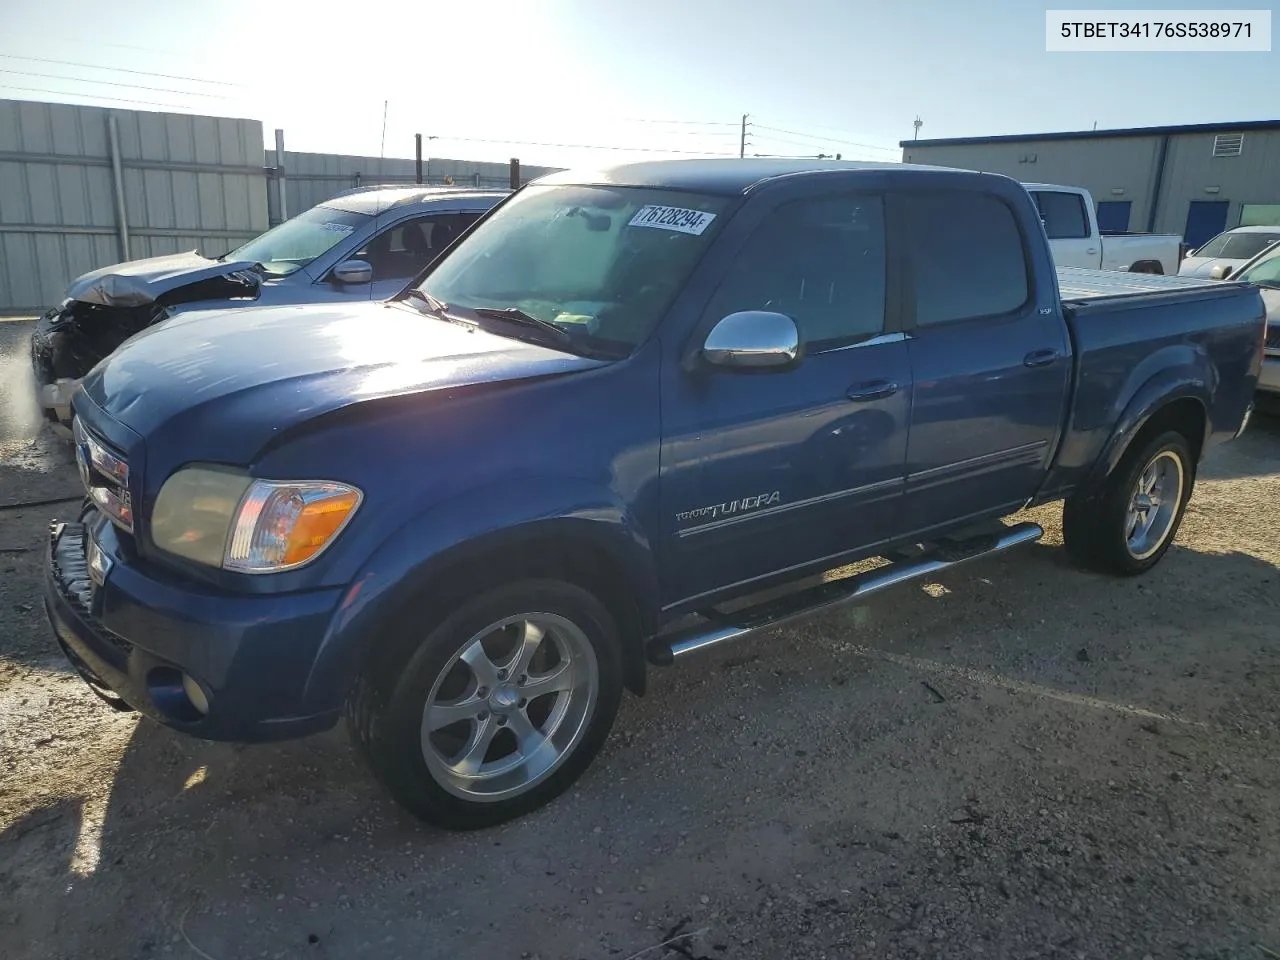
990	367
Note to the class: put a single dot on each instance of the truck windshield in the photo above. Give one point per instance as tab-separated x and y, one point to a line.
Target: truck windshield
1237	246
296	242
1265	271
602	263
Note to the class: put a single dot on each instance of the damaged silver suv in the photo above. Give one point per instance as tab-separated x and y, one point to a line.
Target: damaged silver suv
364	244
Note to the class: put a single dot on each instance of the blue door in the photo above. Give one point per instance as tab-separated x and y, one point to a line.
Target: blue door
990	370
772	471
1113	216
1205	220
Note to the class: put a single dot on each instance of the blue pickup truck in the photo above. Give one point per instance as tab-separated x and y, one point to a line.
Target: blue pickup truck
619	409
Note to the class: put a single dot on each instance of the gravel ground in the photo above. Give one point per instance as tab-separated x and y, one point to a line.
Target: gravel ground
1018	760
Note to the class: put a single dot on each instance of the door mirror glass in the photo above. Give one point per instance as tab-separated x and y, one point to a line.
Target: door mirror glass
753	339
352	271
1220	272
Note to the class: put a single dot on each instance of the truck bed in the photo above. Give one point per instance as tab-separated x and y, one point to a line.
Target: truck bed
1079	285
1132	333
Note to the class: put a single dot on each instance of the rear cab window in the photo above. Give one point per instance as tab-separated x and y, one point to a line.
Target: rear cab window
966	256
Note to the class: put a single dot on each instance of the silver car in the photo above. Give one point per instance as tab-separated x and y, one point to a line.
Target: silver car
1264	272
1224	254
365	244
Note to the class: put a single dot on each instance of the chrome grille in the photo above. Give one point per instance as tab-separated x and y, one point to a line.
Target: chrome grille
105	475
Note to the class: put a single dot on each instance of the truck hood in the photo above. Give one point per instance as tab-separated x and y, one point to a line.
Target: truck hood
236	377
139	282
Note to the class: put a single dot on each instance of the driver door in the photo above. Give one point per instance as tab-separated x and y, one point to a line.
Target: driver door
766	472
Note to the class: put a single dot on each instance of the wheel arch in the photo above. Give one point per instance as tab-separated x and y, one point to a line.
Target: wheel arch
570	550
597	548
1160	405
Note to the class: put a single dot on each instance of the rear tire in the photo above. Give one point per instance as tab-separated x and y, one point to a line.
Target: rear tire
1127	526
497	710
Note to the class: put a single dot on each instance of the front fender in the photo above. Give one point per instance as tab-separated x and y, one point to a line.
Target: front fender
1184	381
494	518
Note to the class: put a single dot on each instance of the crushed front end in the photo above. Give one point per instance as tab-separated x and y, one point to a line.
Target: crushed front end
71	338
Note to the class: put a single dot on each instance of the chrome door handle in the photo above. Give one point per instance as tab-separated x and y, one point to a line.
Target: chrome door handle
1040	358
875	390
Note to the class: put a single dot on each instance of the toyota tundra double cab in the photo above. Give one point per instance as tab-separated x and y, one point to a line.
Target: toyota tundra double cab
585	441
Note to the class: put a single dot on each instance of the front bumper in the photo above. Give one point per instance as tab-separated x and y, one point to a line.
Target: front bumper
55	401
134	638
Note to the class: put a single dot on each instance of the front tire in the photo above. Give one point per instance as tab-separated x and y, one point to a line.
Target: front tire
1129	525
497	710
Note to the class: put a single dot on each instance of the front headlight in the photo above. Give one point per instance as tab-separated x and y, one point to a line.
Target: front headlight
221	518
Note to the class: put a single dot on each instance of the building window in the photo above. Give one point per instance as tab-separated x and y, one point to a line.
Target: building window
1260	215
1228	144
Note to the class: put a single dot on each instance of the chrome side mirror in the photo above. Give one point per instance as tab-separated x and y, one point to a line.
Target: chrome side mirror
753	339
352	271
1220	272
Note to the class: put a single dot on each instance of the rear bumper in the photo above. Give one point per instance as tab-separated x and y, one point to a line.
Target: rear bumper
133	639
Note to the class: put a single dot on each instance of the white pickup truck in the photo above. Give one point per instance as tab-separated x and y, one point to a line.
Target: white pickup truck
1070	220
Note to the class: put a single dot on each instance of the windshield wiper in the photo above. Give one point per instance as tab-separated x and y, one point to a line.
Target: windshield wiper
517	316
436	306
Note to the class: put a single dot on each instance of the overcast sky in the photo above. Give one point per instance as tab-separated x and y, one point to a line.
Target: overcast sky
816	76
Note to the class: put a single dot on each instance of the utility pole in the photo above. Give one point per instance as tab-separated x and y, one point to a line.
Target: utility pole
917	124
742	141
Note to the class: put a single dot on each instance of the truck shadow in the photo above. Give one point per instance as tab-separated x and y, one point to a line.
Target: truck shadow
1255	453
266	846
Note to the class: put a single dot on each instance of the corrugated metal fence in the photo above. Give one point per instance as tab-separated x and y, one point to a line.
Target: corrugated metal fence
185	182
311	178
74	196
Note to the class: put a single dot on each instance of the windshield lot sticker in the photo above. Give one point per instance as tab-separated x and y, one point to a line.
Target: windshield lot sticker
672	218
342	228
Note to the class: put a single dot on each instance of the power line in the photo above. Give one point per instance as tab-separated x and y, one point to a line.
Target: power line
113	83
700	123
94	96
140	73
822	139
840	130
796	143
585	146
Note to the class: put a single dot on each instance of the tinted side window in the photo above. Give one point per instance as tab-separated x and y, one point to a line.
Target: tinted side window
403	250
821	262
966	255
1063	215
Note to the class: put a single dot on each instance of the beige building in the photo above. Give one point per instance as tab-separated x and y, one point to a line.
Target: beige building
1191	180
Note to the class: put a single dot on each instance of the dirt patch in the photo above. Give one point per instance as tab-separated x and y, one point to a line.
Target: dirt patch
1018	759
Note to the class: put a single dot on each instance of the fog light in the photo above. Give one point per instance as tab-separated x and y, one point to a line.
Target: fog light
99	562
195	695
